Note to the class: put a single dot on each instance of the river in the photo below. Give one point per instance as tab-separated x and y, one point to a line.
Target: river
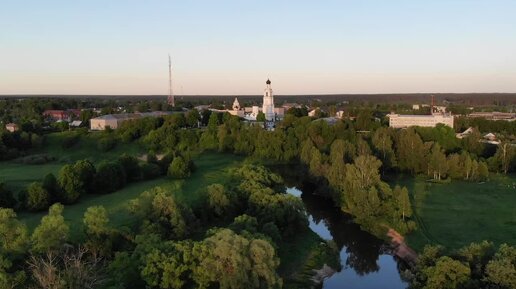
364	259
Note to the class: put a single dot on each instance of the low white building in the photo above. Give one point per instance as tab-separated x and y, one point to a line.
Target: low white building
404	121
111	120
115	120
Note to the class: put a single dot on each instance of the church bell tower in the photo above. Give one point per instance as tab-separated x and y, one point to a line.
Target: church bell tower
268	102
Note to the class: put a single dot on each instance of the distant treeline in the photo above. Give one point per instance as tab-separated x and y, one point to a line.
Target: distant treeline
472	99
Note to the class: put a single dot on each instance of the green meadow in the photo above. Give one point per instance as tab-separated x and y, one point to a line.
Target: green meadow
455	214
17	175
211	168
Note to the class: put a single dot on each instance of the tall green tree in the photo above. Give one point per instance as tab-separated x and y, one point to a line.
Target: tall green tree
232	261
501	270
438	165
52	232
13	233
382	143
447	274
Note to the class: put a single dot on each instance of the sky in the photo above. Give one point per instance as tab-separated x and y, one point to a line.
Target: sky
232	47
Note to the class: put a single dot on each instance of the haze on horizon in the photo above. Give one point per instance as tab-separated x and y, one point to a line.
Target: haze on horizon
231	47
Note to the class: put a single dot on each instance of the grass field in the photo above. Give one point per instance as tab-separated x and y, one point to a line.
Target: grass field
17	175
458	213
211	168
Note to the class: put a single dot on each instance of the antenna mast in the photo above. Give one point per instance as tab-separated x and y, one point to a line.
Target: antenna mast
170	98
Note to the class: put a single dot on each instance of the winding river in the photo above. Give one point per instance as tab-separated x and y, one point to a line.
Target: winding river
365	261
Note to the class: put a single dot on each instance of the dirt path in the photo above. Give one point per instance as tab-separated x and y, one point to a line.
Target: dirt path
401	249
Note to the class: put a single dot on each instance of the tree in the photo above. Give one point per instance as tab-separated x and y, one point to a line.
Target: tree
218	201
232	262
110	177
50	184
73	268
244	223
455	168
446	274
172	267
214	121
410	151
483	172
437	165
99	235
382	143
260	116
38	197
13	233
504	156
160	213
75	180
6	197
501	270
131	167
178	169
8	278
96	220
52	232
402	201
192	118
477	255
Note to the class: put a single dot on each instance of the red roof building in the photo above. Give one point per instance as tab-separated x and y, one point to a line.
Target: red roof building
55	114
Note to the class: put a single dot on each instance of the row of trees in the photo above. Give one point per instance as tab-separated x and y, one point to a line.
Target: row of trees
83	177
478	265
14	144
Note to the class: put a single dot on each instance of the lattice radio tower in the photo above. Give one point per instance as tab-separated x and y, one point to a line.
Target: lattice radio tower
170	98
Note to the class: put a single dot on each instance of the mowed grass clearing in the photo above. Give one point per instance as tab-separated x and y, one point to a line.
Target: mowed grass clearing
211	168
454	215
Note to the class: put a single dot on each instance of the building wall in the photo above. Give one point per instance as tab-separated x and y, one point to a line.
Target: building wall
403	121
101	124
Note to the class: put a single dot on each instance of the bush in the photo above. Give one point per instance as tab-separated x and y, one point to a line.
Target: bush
75	180
131	167
110	177
106	143
37	197
150	171
179	168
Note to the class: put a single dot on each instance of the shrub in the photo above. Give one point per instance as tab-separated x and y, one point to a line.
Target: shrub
131	167
110	177
37	197
179	168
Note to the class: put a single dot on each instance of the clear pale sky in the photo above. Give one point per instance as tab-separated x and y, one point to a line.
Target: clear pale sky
231	47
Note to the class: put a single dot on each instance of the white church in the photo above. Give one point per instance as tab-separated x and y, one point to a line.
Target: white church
271	113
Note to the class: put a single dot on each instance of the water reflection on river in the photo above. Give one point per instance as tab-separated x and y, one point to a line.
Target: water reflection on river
364	262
